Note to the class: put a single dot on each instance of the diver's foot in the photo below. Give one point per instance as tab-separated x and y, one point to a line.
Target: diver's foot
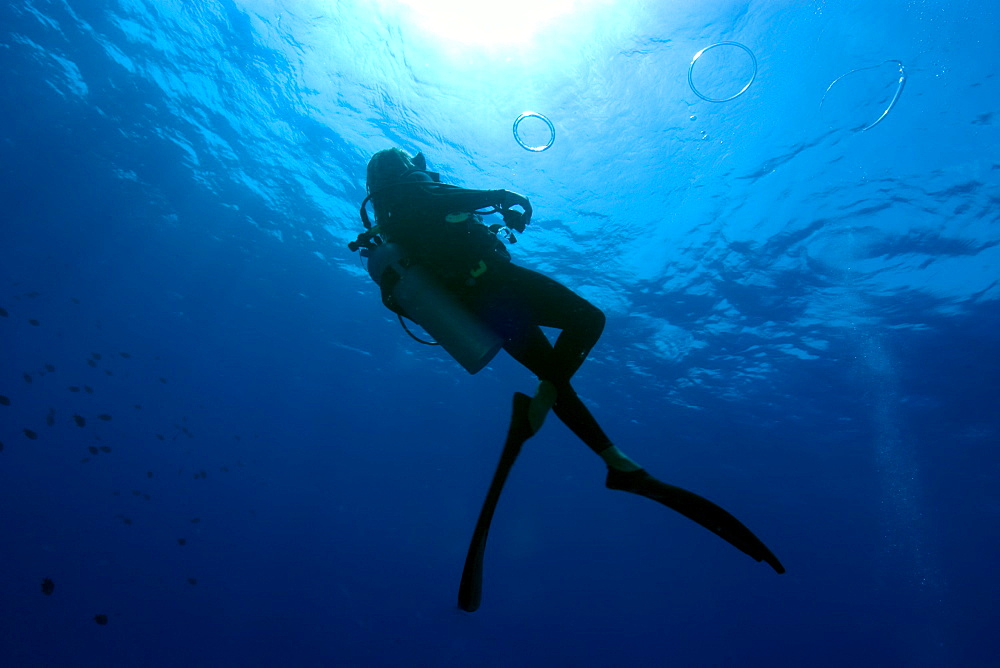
628	481
618	460
541	404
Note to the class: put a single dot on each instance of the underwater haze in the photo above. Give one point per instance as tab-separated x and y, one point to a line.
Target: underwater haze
218	448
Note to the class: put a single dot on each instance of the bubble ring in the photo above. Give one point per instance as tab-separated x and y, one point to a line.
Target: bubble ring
721	99
534	114
895	98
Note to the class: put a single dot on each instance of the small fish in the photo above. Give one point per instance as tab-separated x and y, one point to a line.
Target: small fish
74	388
3	312
88	389
49	368
192	581
30	434
182	541
163	380
149	474
50	419
80	420
4	401
96	356
104	416
105	448
48	586
92	363
101	619
93	449
125	355
34	323
27	378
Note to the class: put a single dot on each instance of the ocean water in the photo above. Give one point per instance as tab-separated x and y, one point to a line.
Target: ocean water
220	448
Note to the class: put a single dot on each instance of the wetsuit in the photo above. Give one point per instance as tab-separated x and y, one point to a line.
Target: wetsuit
512	300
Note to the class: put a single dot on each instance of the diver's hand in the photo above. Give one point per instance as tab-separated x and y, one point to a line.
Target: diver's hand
513	199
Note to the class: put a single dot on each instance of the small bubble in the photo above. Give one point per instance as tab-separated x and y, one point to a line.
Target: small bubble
693	117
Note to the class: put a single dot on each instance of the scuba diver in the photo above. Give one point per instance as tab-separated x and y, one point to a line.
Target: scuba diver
437	263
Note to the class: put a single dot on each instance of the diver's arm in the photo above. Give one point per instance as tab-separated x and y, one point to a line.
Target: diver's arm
451	199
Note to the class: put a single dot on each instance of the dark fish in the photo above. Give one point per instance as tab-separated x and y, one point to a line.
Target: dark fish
1	446
4	401
195	520
32	295
104	416
136	492
125	355
3	312
74	388
27	378
92	363
147	497
79	420
127	520
138	407
149	474
109	372
224	469
34	322
49	368
50	419
74	300
88	389
48	586
182	541
96	356
93	449
105	448
101	619
30	434
163	380
160	436
192	581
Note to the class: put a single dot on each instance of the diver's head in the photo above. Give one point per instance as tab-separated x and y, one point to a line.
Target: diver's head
393	165
387	167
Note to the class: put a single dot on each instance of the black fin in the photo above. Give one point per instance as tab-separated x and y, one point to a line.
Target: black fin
470	591
699	509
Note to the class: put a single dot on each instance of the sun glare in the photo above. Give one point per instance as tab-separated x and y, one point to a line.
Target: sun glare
502	22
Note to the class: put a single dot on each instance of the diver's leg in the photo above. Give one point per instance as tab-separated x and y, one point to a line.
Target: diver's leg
533	350
512	298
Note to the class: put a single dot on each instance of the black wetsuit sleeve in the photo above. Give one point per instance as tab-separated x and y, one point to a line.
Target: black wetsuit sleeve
452	199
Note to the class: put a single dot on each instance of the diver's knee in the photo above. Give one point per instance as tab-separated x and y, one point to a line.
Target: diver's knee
595	321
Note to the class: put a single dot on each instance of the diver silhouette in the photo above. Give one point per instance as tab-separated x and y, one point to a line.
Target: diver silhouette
438	264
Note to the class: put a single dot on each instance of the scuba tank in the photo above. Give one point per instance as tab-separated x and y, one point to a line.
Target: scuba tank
424	301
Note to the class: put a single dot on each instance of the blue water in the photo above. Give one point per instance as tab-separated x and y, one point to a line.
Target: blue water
802	326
